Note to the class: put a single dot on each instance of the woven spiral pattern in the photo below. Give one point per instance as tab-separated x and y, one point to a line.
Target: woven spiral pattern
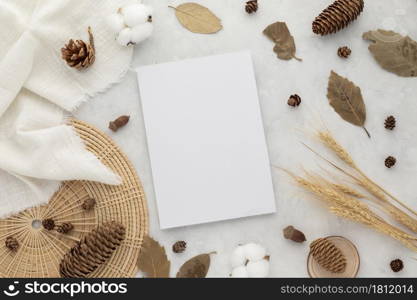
337	16
328	255
41	251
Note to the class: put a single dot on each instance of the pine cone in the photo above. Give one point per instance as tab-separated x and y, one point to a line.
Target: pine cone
48	224
88	204
344	52
65	228
397	265
328	255
390	123
11	243
179	247
251	6
92	251
294	100
119	123
390	161
79	54
337	16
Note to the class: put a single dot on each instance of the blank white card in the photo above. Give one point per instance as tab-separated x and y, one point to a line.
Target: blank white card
206	140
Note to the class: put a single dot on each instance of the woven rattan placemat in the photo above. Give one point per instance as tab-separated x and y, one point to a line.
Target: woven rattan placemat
41	250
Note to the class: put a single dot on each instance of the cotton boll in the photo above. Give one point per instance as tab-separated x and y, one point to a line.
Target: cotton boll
124	37
116	23
238	257
135	14
254	252
258	269
141	32
240	272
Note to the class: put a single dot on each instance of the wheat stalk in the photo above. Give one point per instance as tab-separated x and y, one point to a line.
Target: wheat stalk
327	139
330	142
370	187
347	190
349	207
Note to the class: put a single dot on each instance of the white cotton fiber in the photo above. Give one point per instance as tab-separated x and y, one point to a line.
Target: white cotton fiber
135	14
124	36
141	32
258	269
254	252
116	23
238	257
239	272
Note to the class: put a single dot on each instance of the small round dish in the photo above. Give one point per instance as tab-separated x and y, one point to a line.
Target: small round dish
352	258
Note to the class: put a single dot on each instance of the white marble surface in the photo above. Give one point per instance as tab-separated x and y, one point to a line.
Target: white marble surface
384	94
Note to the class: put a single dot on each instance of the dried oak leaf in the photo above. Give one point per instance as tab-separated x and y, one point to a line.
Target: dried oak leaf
346	99
197	18
284	42
393	52
153	259
196	267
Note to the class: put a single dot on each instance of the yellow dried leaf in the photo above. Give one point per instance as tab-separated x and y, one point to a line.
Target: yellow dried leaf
197	18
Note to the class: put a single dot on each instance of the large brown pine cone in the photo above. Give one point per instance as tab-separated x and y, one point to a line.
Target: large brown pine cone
92	251
337	16
79	54
328	255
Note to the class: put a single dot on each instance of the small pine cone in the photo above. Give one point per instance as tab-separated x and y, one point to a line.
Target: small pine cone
328	255
397	265
65	228
48	224
119	123
390	123
92	251
251	6
390	161
79	54
294	100
11	243
88	204
337	16
179	247
344	52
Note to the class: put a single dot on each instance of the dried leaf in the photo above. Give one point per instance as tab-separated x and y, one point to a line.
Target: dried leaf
197	18
196	267
284	41
153	260
346	99
394	52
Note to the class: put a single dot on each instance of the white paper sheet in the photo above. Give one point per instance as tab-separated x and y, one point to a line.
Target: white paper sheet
206	140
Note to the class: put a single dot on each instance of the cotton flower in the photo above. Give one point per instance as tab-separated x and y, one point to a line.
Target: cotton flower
250	260
131	24
136	14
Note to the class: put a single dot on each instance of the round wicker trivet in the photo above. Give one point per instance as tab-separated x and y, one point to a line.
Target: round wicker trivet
40	250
